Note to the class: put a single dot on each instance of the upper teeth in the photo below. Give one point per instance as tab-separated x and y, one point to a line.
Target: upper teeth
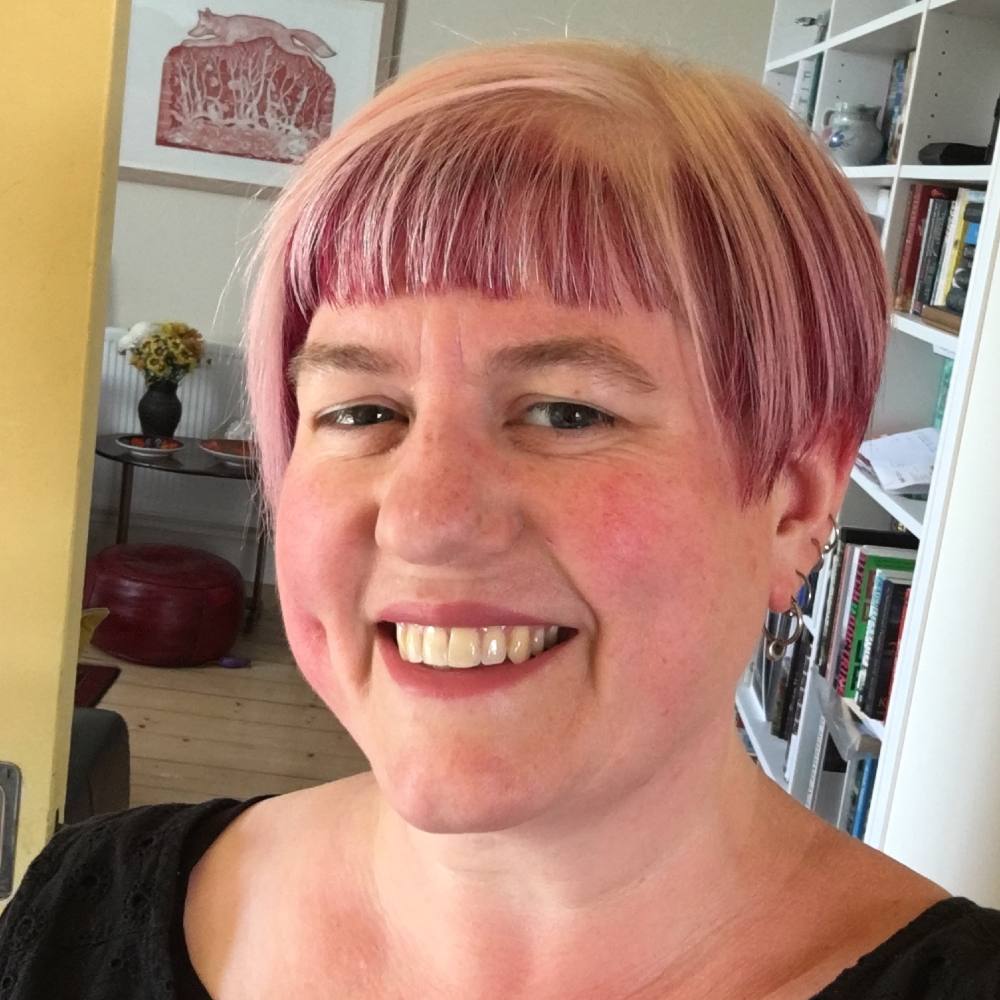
469	647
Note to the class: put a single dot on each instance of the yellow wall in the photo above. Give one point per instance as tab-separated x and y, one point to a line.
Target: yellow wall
63	69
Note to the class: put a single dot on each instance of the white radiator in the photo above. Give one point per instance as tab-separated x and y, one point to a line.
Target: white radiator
212	397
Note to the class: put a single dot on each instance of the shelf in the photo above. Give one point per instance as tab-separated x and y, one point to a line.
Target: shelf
909	513
942	341
769	749
894	32
876	728
958	175
789	63
890	34
851	739
878	172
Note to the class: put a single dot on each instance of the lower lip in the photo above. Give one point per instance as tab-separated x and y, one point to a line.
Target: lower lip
459	683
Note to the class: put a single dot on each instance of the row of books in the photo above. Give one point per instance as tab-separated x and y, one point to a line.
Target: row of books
939	244
856	624
867	596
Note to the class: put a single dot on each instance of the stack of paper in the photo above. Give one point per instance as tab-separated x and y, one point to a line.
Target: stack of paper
901	463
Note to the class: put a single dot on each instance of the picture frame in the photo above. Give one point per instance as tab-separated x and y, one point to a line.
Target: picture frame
230	97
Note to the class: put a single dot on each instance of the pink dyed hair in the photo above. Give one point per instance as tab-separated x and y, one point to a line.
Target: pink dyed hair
607	177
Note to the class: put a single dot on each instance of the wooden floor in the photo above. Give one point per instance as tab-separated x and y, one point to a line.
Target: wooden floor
202	732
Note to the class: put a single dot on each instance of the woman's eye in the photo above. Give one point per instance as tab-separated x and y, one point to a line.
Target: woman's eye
564	416
361	415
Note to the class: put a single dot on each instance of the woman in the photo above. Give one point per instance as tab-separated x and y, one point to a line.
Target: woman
559	355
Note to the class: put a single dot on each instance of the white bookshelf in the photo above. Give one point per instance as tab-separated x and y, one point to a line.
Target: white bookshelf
937	790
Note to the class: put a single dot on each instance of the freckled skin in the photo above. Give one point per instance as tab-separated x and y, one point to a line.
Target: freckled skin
632	536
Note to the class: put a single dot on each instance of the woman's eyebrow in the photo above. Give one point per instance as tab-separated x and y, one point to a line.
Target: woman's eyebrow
594	356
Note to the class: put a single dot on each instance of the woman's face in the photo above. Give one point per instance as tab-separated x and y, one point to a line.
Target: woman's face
444	474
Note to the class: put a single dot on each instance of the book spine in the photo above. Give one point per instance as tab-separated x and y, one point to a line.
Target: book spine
817	763
893	98
886	639
949	249
864	797
944	382
883	689
896	139
936	222
843	667
799	698
833	586
869	639
916	216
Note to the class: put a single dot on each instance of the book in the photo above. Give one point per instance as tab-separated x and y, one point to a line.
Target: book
930	253
869	631
796	677
879	700
884	648
899	120
916	217
875	629
778	695
868	769
800	692
892	108
955	300
944	383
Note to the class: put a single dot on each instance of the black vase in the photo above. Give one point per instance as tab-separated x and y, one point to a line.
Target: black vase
159	409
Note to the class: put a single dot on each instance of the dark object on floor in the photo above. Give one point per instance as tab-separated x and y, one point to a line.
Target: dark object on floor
92	683
171	606
99	769
234	662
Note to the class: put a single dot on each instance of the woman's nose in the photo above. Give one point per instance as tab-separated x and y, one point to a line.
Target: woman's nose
447	499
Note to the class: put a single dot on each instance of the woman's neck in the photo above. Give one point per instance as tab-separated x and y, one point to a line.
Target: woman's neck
604	901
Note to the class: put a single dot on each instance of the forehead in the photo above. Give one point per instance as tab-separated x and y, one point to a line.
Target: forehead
636	346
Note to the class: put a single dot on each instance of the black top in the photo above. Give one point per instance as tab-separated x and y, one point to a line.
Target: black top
99	916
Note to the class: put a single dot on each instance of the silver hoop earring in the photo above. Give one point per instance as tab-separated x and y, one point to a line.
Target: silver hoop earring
777	644
832	542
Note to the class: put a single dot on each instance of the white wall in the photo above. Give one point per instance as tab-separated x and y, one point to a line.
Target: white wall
728	34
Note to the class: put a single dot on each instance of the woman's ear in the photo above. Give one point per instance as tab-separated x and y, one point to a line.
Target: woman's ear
807	496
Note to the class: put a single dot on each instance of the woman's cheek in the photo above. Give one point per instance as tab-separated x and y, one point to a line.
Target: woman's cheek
315	578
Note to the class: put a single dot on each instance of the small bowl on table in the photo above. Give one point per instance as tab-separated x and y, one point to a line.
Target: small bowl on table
232	451
149	447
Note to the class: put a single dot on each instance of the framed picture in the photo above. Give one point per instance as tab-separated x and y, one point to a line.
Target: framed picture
232	98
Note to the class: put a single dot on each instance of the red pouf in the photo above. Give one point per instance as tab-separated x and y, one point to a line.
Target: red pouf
171	606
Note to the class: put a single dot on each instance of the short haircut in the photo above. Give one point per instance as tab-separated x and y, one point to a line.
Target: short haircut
607	177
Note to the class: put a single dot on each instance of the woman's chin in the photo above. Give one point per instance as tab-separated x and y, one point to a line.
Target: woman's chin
474	796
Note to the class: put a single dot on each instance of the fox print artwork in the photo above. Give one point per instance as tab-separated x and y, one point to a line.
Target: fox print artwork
246	86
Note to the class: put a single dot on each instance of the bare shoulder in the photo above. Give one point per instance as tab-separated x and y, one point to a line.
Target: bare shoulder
279	860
